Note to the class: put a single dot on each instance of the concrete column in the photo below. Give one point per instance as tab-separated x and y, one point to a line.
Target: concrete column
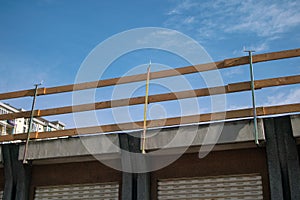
8	192
17	176
143	186
290	160
135	186
282	157
127	178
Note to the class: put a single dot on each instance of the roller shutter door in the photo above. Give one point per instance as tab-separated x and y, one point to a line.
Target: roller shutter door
106	191
231	187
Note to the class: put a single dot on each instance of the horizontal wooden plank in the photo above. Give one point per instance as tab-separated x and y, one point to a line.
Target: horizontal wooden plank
280	81
231	88
22	93
233	114
155	75
25	114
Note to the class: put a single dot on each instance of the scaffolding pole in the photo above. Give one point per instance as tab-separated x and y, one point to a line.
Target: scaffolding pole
253	96
145	110
30	124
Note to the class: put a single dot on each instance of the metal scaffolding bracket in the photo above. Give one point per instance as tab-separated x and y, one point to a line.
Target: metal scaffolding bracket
253	96
30	123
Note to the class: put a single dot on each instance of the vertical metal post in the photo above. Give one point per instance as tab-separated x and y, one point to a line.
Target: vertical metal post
145	110
253	97
30	124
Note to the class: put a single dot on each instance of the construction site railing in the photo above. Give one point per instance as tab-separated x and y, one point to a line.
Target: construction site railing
230	88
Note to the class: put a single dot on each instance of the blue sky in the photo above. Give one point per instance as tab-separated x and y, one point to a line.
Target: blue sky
49	39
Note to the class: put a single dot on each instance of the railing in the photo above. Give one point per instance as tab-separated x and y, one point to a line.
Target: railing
230	88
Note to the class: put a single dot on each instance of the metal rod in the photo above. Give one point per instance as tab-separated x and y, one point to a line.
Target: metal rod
30	124
145	109
253	97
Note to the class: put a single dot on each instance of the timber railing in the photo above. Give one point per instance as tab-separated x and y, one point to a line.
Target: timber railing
230	88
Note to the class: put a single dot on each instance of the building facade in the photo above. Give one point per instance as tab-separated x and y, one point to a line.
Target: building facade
236	168
20	125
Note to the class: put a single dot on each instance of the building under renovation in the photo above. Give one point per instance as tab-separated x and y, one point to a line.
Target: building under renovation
254	155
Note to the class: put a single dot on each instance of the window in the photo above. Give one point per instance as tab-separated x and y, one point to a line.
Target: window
34	127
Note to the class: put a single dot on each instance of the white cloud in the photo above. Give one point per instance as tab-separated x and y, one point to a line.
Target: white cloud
231	72
164	38
237	107
273	97
189	20
260	47
214	19
267	19
284	97
176	43
182	7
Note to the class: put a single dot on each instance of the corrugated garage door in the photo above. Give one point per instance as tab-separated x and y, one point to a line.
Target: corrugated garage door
247	186
107	191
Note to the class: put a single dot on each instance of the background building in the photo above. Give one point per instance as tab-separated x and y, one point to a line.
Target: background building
20	125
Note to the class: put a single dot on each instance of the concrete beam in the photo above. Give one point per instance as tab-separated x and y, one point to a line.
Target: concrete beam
205	134
67	148
107	146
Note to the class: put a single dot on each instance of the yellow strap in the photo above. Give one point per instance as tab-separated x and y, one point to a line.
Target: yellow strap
145	110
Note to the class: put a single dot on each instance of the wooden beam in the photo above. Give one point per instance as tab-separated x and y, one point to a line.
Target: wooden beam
231	88
22	93
280	81
209	117
155	75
